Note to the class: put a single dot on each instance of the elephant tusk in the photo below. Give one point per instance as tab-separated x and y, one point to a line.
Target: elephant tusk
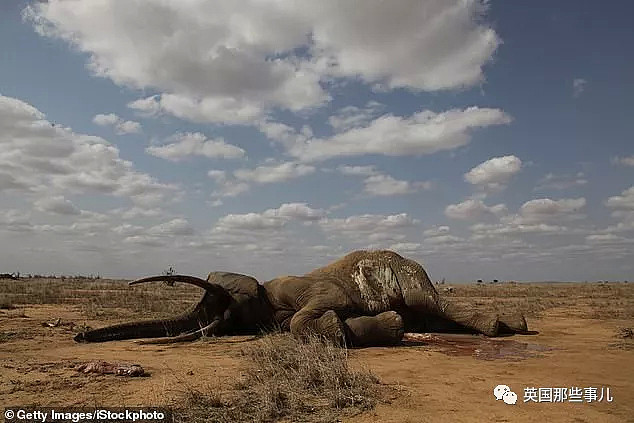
201	283
185	337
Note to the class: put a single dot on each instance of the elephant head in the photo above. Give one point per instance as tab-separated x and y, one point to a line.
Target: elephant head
232	303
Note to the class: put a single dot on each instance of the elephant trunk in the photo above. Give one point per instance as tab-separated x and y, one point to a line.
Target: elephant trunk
485	323
454	316
141	329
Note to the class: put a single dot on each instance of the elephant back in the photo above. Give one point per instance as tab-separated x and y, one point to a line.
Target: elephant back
379	279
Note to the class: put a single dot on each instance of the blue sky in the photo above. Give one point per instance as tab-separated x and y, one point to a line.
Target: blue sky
485	140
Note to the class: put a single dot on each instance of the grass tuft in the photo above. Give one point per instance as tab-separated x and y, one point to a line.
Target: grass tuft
308	381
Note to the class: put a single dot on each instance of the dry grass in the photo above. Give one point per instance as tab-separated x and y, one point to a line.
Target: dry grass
114	299
625	333
582	300
286	379
102	298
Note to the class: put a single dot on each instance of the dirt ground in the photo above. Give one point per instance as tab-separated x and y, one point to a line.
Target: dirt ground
433	378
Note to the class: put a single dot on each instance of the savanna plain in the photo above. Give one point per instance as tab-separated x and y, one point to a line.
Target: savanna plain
583	338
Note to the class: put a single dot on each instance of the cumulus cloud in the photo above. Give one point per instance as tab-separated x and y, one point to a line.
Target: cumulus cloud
274	173
367	229
184	145
225	110
269	219
385	185
545	209
227	186
473	209
538	216
405	247
481	230
425	132
495	173
436	231
52	160
625	161
623	209
231	63
382	185
58	205
240	181
120	125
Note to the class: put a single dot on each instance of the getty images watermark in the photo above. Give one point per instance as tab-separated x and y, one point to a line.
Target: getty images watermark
19	414
558	394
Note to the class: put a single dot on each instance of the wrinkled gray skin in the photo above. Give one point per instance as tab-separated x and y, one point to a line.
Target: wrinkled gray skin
365	298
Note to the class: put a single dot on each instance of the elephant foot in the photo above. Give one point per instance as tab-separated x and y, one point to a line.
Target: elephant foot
383	329
331	327
309	322
513	323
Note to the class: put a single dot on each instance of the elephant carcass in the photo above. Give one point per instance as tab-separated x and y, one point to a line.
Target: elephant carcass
364	298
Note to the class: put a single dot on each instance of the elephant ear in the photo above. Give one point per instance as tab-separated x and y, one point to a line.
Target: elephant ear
241	287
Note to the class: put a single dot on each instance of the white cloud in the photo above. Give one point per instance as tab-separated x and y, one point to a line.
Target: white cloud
625	161
495	173
269	219
512	228
473	209
368	225
231	62
624	201
542	215
52	160
15	221
353	117
443	240
299	211
578	86
545	209
239	182
121	126
425	132
607	239
275	173
561	182
405	247
106	120
385	185
183	145
58	205
207	110
428	45
381	185
226	186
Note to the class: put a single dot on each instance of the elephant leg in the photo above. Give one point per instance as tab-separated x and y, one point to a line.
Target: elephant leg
383	329
309	321
423	305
